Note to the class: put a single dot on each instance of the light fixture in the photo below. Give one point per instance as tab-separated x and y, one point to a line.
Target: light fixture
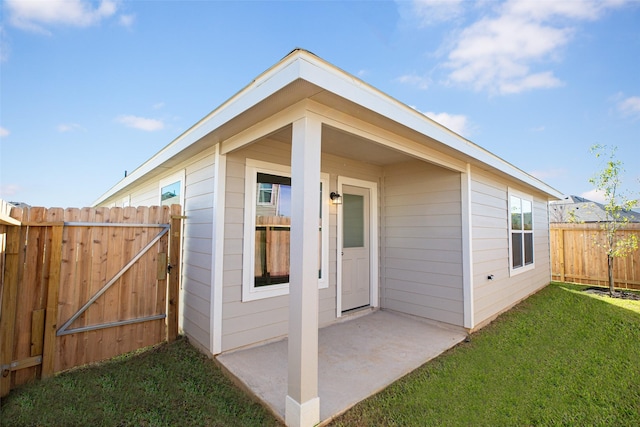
336	198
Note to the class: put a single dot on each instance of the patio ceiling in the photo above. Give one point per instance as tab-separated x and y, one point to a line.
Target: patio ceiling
344	144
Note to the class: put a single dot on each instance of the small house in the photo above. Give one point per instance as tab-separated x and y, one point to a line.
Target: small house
310	196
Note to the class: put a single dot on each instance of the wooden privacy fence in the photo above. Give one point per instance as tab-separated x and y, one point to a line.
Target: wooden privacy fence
576	258
82	285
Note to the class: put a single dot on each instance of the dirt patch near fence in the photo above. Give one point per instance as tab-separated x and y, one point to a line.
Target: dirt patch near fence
604	292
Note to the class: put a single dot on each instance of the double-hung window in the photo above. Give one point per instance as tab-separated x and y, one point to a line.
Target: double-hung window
521	232
267	231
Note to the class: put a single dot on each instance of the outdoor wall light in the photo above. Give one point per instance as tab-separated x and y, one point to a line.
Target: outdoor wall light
336	198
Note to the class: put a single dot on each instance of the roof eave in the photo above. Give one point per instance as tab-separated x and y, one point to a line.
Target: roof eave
301	64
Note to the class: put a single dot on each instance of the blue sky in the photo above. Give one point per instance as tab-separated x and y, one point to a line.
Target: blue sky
89	89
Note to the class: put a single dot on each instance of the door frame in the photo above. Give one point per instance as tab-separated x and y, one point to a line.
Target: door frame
373	241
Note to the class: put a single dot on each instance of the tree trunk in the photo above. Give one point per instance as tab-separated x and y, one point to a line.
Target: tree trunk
610	265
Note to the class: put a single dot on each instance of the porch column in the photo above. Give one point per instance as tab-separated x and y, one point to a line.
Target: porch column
302	403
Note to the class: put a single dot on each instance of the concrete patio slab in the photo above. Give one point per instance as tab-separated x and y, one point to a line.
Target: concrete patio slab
357	358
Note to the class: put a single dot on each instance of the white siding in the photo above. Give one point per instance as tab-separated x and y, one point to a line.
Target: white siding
421	244
489	206
146	194
197	250
246	323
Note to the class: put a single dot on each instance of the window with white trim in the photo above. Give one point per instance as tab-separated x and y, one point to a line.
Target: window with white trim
267	231
172	190
521	232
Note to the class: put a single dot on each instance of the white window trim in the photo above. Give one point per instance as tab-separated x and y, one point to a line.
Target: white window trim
271	202
126	201
178	176
518	270
249	291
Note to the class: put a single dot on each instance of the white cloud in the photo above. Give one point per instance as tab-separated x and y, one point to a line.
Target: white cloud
630	106
158	105
68	127
594	195
127	20
4	132
456	122
500	52
35	15
141	123
430	12
415	80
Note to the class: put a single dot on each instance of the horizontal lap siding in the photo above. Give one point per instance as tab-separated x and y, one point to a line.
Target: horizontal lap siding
246	323
422	242
490	248
197	250
145	195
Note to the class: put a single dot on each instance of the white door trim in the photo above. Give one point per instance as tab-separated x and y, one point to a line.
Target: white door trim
373	241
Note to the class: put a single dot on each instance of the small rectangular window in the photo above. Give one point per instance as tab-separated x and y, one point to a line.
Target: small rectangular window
353	218
170	194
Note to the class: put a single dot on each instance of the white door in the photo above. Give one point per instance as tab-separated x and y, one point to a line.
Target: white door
355	247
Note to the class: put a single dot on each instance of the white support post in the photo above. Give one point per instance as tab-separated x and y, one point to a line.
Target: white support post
217	250
302	403
467	249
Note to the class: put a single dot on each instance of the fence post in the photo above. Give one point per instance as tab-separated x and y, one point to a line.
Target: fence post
51	317
9	306
174	272
561	252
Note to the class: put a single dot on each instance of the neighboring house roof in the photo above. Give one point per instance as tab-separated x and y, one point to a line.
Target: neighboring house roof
302	75
20	204
578	209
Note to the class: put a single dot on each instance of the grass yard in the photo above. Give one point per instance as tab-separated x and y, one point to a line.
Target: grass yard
562	357
169	385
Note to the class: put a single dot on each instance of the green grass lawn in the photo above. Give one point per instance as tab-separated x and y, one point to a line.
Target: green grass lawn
169	385
562	357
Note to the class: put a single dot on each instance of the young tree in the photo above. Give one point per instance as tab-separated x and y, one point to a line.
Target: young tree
609	182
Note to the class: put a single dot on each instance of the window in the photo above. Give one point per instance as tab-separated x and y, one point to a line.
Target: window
265	193
268	229
170	194
172	190
521	231
272	225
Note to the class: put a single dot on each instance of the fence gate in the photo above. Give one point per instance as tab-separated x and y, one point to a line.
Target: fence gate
83	285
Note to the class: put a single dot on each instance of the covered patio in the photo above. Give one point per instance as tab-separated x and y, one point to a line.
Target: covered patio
357	357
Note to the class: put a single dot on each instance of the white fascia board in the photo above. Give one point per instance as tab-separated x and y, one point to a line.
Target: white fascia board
327	76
